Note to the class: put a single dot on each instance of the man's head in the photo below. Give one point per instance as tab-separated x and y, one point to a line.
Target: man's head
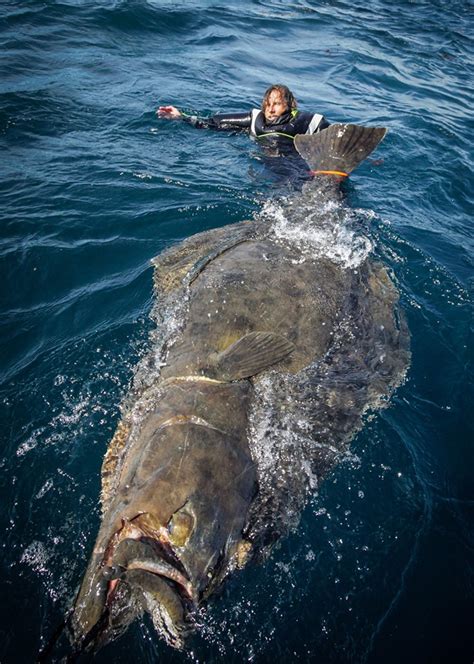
277	101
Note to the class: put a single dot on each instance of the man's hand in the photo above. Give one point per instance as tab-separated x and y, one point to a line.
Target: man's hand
168	112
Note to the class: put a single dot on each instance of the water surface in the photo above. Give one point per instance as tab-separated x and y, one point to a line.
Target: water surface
93	186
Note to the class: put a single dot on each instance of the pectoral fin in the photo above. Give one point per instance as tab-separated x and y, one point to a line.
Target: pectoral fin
250	355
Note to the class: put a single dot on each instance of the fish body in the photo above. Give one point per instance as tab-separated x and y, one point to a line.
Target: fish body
265	375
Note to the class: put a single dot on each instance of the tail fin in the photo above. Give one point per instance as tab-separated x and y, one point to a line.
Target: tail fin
340	147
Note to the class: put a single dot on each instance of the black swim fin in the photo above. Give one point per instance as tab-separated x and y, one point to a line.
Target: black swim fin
340	147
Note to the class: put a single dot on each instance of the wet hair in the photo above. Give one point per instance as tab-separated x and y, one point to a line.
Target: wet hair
285	93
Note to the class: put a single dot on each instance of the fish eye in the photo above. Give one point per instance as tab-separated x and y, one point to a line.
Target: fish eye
180	527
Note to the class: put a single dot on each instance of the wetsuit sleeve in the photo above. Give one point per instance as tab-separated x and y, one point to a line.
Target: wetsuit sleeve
222	121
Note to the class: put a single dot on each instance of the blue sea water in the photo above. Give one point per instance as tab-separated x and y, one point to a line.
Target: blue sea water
93	185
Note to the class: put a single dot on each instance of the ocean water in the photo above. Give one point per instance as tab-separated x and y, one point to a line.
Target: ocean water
93	186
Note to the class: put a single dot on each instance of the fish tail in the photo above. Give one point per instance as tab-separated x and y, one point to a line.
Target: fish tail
340	148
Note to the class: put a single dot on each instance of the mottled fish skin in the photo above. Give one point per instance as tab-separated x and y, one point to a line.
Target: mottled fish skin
248	397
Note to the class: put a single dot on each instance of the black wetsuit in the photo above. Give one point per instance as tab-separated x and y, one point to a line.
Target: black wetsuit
276	138
287	126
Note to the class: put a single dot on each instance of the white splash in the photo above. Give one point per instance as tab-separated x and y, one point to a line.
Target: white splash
328	230
36	556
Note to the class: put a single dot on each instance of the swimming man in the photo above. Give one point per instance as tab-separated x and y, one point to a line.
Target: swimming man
277	118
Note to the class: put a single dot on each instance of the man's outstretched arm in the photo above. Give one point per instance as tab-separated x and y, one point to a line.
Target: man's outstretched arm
224	121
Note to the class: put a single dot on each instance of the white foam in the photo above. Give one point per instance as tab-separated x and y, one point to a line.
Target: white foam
45	488
36	556
282	445
323	229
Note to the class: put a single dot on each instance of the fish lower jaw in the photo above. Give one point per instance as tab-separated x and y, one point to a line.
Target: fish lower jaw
173	633
141	561
164	593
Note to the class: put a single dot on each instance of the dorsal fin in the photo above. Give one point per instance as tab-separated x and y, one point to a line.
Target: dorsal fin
182	263
340	147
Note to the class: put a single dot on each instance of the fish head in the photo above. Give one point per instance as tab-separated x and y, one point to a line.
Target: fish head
169	538
140	571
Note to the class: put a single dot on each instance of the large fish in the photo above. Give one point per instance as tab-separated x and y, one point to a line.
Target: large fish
269	353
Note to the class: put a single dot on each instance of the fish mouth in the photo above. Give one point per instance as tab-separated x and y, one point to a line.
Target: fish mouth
138	571
138	546
153	571
114	573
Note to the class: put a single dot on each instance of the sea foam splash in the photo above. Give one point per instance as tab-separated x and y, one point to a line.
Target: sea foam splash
319	229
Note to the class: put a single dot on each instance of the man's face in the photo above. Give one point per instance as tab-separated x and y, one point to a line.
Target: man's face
275	106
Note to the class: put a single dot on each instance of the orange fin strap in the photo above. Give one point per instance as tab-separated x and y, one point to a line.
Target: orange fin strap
340	173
